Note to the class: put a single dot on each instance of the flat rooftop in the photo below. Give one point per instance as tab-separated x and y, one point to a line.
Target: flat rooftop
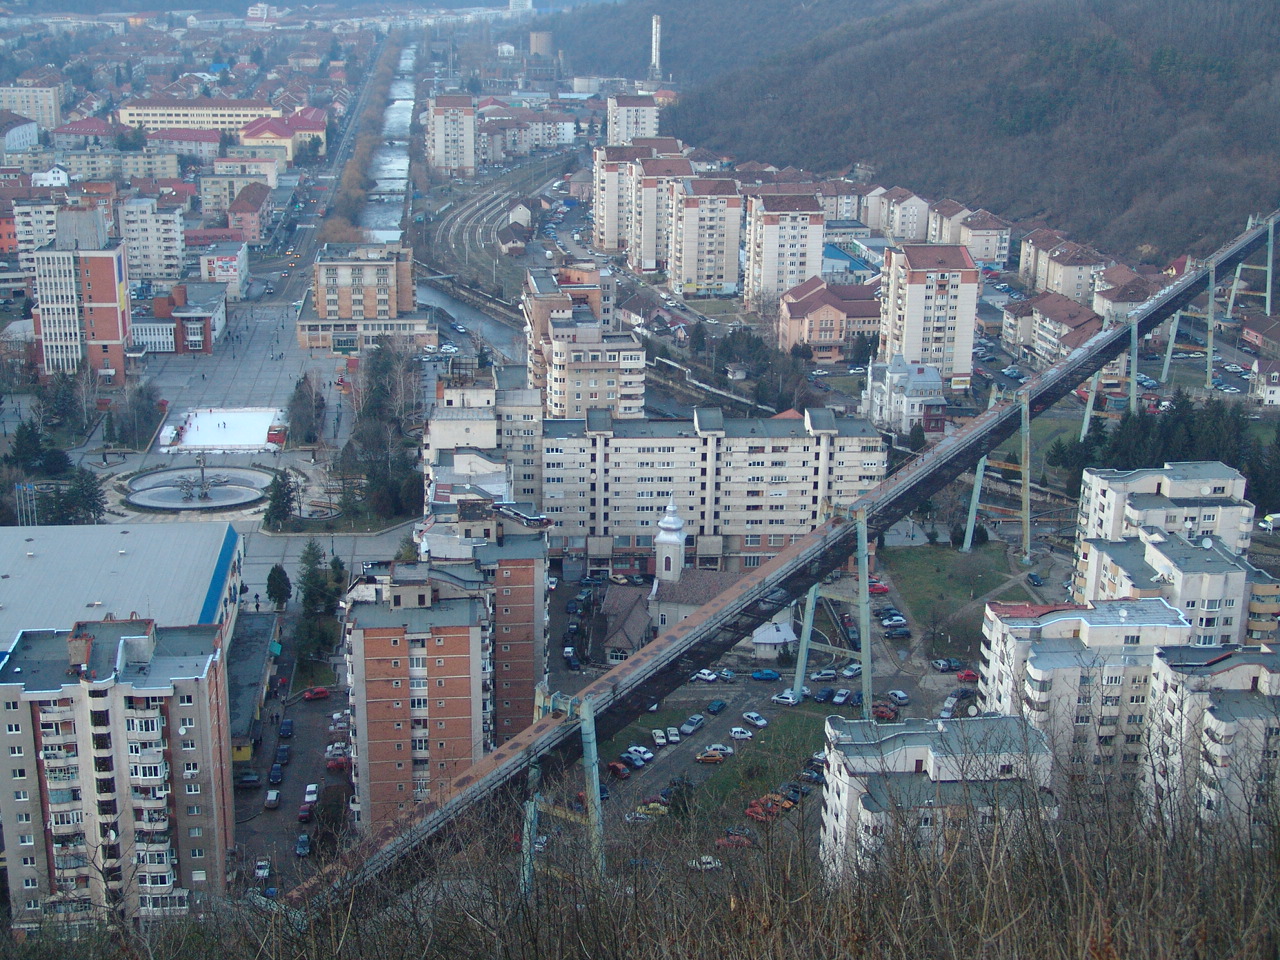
173	573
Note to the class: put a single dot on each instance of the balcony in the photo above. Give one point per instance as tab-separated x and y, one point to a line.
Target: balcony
148	802
57	713
151	819
150	839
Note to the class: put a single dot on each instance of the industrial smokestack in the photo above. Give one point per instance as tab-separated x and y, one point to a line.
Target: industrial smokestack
655	50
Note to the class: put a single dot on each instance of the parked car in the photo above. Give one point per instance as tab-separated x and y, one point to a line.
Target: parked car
583	595
942	666
1035	579
852	671
282	753
899	697
706	676
276	775
572	607
660	738
249	781
619	771
874	588
964	693
618	578
819	675
316	693
897	633
786	698
693	723
723	748
967	676
893	622
726	676
305	811
644	753
303	847
262	868
841	697
766	675
286	728
673	734
755	719
824	695
631	760
272	801
553	582
709	756
740	733
312	793
948	708
716	707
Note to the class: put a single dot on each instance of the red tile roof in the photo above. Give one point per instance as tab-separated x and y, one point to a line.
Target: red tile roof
938	256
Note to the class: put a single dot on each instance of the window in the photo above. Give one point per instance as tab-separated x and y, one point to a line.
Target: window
30	883
19	773
21	795
193	810
1135	718
26	840
23	818
15	751
186	700
13	728
197	853
195	831
11	704
193	788
188	744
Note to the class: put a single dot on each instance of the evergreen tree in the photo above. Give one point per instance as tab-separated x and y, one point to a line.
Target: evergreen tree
279	589
87	502
313	582
282	497
916	439
27	450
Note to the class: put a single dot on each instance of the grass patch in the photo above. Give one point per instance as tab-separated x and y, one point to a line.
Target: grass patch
714	307
313	673
775	755
936	585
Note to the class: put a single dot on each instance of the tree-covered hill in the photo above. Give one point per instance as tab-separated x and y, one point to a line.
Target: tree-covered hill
1147	127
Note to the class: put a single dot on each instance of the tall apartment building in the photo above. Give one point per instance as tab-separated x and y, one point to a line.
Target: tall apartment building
928	308
361	291
904	217
81	283
649	226
218	191
197	113
1215	737
120	760
628	117
443	655
42	103
1198	498
579	357
611	175
154	239
119	744
35	221
746	487
784	246
929	785
451	135
987	237
704	237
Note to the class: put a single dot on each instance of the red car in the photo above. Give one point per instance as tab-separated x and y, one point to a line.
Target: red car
304	812
316	693
967	676
619	770
338	763
884	711
877	588
734	841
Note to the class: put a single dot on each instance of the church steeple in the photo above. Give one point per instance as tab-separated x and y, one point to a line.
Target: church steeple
669	544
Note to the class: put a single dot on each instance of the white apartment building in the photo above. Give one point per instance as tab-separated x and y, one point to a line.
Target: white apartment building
929	785
987	237
1196	498
42	103
649	227
1215	735
153	239
704	237
630	116
904	217
611	203
1080	675
943	221
746	487
784	246
451	135
928	308
580	358
227	263
35	223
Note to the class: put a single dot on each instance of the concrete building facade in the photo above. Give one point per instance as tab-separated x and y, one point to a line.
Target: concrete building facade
154	239
451	135
704	237
629	117
784	246
928	309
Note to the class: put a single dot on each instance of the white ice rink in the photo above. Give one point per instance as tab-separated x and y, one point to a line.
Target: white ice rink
219	430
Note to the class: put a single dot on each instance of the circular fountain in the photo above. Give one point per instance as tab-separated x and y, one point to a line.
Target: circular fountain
186	489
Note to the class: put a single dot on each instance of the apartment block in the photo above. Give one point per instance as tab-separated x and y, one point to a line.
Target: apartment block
649	227
154	239
81	282
943	221
928	308
1196	498
784	246
628	117
611	173
121	772
746	487
219	191
704	237
904	217
451	135
226	263
987	237
42	103
1215	735
1070	270
35	224
265	169
929	785
579	356
251	212
199	113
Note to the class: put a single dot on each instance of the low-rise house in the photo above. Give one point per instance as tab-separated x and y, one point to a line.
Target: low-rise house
900	395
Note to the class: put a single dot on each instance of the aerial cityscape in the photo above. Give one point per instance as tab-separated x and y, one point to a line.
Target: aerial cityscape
525	480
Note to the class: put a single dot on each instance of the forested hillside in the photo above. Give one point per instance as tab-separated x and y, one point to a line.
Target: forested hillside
701	39
1146	127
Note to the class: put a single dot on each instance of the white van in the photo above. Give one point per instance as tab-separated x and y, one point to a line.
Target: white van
1269	522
